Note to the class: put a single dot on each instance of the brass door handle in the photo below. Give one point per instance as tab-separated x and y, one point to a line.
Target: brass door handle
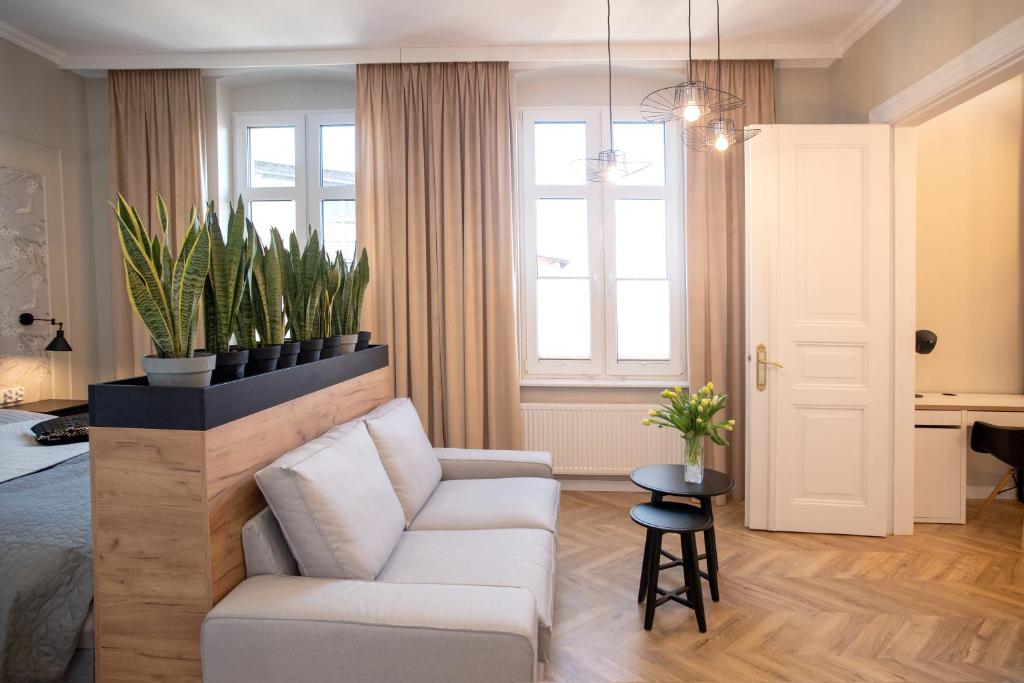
762	365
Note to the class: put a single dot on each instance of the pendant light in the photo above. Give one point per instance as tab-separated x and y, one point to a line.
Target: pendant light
691	99
718	134
611	164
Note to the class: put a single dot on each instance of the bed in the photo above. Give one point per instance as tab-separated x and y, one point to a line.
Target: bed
45	561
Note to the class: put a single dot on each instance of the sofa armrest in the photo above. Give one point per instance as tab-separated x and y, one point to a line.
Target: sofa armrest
293	628
477	463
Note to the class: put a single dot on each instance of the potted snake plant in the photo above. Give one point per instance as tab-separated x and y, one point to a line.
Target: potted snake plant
289	346
349	303
165	291
262	308
302	287
333	274
225	286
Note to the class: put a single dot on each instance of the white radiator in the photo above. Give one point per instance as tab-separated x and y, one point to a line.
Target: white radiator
598	438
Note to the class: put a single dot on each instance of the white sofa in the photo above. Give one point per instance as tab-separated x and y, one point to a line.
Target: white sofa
381	558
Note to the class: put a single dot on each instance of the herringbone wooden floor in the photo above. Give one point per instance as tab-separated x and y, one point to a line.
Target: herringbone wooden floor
946	604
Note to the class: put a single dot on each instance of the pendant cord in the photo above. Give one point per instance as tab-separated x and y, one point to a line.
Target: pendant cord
718	32
611	125
689	39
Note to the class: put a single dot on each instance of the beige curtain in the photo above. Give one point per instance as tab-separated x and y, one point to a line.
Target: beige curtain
715	255
434	202
155	128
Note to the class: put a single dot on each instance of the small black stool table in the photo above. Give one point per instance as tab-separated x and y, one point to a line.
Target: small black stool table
672	518
667	480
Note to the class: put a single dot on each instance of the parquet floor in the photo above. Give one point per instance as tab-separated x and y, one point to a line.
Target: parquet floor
946	604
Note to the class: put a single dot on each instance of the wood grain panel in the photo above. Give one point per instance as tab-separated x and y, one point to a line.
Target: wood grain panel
168	508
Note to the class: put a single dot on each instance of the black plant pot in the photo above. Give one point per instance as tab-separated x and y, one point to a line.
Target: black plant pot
230	365
289	355
332	347
309	350
262	359
363	341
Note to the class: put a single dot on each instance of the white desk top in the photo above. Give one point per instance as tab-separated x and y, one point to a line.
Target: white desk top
988	402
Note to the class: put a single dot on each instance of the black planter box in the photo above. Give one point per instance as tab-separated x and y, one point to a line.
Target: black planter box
133	403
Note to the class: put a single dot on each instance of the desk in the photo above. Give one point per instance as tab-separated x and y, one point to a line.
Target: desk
941	449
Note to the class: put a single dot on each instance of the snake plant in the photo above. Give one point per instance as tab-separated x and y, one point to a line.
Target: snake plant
266	287
349	303
302	286
332	274
164	291
225	283
245	322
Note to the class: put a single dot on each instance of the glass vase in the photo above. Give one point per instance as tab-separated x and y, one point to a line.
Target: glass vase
693	461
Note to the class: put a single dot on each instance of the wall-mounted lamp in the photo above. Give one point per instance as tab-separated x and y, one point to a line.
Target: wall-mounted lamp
925	341
59	343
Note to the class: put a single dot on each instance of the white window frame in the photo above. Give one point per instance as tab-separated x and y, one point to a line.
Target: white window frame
603	367
308	191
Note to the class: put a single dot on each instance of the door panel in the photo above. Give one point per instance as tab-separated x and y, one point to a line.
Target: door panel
819	296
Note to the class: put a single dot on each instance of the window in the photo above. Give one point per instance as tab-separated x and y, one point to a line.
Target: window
298	169
602	295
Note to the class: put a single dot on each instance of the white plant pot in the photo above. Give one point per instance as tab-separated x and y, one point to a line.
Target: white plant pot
348	342
180	372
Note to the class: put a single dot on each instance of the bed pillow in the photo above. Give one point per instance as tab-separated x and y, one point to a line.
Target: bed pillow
406	452
335	505
62	430
9	415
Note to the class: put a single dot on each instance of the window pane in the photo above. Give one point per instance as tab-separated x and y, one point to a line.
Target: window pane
563	319
562	243
338	155
640	240
278	214
642	317
338	216
272	157
556	146
642	142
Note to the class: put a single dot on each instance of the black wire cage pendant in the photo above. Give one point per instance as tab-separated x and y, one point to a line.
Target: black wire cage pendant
717	136
610	165
691	99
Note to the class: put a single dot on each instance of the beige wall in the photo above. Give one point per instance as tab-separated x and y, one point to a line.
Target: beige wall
45	105
969	244
801	96
913	40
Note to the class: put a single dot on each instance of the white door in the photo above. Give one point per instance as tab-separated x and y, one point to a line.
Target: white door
819	300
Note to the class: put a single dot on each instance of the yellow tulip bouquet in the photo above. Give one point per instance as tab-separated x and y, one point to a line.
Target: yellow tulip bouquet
693	415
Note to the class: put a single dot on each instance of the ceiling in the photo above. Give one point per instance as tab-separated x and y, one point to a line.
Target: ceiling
87	34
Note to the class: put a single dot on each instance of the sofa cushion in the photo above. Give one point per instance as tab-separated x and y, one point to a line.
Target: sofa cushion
512	503
335	505
406	453
516	558
265	549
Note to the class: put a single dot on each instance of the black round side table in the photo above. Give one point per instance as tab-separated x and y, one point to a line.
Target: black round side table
667	480
672	518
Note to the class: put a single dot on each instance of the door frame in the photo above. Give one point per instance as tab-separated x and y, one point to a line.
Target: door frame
977	69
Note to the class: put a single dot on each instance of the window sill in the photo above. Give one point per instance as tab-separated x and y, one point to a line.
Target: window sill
605	382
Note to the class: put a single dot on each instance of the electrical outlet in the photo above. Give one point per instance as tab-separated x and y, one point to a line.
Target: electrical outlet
19	393
8	395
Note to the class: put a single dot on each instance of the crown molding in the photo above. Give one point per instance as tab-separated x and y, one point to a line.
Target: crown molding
994	59
874	13
31	43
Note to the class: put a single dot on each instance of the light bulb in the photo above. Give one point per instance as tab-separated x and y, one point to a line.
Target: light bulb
721	142
691	112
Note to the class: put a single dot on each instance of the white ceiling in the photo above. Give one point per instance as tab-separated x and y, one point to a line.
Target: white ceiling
84	33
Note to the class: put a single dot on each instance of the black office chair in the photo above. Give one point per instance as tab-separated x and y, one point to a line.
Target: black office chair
1006	444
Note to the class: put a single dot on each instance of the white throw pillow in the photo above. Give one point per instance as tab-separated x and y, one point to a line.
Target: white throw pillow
406	452
335	505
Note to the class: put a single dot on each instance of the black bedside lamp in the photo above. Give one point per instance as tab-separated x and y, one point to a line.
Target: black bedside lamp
59	342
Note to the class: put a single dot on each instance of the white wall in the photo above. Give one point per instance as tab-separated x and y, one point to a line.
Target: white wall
42	104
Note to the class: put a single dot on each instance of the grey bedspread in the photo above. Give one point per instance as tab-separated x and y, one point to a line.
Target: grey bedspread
45	570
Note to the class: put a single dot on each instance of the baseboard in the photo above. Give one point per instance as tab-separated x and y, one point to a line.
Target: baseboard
597	483
981	492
